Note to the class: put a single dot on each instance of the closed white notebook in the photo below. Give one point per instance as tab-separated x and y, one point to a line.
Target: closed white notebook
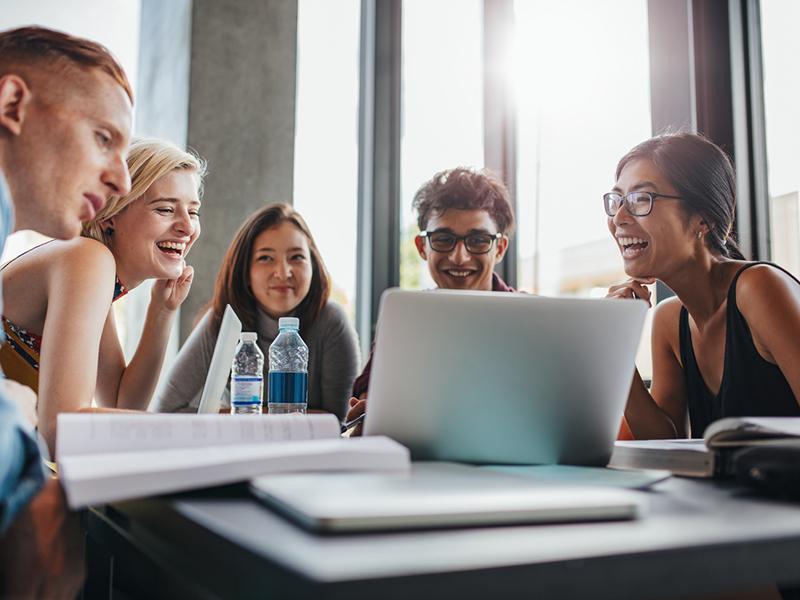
436	495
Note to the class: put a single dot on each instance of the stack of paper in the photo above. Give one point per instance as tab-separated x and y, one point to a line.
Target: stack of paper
106	458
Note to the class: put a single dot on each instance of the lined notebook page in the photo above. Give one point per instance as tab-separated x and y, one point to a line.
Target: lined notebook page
93	433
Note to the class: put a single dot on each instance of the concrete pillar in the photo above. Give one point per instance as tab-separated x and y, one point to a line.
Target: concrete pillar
241	119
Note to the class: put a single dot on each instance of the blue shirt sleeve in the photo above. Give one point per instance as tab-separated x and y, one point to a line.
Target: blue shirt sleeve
21	469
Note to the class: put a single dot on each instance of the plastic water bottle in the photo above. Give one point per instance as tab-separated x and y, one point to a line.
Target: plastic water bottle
247	377
288	369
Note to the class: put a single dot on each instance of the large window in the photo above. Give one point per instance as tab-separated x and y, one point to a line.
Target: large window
442	106
583	100
326	135
780	20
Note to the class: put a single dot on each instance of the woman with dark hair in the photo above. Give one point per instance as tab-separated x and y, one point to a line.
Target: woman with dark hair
272	269
729	342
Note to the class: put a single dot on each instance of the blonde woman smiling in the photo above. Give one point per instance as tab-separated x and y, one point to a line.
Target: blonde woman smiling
62	338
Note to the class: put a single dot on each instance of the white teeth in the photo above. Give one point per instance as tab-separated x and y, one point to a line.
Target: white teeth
454	273
179	246
627	241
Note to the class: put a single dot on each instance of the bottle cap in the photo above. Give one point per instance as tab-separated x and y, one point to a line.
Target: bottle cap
249	336
288	323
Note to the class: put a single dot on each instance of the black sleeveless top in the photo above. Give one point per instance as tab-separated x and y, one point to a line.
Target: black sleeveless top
750	385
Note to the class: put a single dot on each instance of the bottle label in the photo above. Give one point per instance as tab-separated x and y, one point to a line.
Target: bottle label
246	390
287	388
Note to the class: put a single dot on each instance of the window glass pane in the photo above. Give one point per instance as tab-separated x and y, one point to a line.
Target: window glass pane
442	102
326	135
583	99
780	20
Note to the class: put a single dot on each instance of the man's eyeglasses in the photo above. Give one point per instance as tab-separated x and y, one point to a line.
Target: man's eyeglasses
638	204
475	243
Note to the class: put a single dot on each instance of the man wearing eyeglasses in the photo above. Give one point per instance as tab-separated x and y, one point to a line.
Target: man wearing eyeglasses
465	218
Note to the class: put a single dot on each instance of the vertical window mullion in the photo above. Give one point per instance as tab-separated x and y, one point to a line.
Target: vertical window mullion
499	113
379	159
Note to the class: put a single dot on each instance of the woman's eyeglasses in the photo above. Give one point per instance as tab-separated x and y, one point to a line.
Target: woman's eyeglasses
638	204
475	243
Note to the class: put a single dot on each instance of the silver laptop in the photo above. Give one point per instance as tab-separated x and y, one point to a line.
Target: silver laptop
487	377
220	367
436	495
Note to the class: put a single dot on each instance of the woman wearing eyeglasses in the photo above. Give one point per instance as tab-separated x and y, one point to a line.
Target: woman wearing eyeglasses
728	344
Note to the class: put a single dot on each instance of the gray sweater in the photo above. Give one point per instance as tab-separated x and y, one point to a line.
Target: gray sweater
332	363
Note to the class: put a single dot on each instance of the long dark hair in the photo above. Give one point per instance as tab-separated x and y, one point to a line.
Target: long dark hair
704	178
233	280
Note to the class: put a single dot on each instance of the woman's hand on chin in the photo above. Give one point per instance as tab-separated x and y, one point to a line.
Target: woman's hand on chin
170	293
634	288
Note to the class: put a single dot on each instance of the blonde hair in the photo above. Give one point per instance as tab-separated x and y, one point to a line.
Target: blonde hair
149	159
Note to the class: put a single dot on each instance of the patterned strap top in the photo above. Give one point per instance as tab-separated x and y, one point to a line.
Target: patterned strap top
19	356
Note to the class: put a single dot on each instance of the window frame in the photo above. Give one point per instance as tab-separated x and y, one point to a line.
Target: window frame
705	77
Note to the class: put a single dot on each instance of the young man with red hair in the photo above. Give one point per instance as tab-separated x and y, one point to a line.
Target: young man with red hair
65	124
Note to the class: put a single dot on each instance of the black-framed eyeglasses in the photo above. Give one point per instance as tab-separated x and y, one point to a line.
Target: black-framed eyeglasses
638	204
442	240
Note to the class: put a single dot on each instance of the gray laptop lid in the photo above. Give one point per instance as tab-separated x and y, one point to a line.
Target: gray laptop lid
489	377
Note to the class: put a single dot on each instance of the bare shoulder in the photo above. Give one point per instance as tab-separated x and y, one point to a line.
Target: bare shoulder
766	288
82	248
83	257
763	278
667	311
666	316
57	257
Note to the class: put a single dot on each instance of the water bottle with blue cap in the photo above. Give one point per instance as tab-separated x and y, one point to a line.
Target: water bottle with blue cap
288	370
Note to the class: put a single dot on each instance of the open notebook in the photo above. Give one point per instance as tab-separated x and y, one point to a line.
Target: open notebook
105	458
713	455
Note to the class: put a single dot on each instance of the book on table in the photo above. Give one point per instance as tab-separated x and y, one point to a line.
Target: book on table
712	455
107	458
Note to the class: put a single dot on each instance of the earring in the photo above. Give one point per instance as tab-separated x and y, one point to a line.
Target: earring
699	234
109	231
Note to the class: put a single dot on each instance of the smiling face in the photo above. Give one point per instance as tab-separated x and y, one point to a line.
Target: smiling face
458	269
280	269
153	234
68	155
654	245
